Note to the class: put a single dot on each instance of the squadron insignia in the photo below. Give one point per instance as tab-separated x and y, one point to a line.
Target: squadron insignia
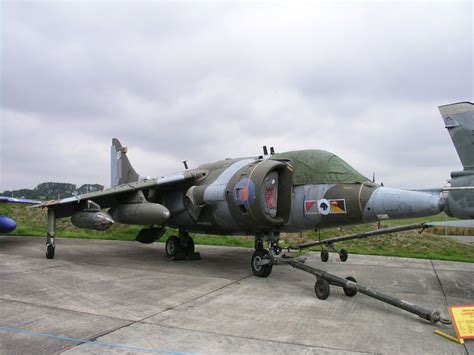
337	206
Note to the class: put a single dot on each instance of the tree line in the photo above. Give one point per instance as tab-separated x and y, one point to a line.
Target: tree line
53	191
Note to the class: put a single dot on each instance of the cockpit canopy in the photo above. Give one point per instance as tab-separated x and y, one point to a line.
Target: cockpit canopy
314	166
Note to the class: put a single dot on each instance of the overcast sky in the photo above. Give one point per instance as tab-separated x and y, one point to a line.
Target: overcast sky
205	81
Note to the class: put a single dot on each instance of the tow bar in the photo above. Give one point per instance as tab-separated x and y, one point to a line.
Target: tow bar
351	287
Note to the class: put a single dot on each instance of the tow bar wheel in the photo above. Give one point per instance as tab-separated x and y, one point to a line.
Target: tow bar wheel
350	292
321	288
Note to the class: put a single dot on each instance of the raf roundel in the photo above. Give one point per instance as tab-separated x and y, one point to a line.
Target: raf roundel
244	192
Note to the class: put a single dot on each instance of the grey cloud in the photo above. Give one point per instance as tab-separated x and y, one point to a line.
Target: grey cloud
202	82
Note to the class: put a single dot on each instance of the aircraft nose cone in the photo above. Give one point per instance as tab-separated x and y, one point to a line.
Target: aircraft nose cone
7	225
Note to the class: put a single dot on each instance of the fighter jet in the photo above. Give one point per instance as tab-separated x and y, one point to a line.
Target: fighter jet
7	224
264	196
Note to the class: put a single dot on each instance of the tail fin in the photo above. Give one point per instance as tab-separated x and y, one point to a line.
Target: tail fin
459	121
121	170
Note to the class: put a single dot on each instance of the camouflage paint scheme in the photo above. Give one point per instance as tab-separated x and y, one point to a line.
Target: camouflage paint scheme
267	194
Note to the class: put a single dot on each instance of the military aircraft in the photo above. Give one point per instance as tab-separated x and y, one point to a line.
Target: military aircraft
7	224
264	196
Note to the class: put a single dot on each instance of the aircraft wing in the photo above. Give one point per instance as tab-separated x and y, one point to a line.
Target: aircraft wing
5	199
113	195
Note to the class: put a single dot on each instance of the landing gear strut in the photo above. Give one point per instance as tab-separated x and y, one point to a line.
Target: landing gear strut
51	234
181	248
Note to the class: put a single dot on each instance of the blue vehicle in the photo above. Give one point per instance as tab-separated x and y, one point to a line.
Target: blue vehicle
7	224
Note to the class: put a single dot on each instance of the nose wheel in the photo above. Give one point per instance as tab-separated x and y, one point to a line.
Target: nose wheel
261	263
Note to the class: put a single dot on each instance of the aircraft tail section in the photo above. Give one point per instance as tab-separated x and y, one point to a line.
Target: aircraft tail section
121	170
459	121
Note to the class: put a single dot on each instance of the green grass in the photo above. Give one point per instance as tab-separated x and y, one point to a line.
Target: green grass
428	245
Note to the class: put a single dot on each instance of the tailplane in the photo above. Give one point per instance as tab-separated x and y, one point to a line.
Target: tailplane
121	171
459	121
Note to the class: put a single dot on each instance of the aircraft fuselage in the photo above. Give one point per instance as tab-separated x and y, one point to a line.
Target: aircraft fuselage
251	196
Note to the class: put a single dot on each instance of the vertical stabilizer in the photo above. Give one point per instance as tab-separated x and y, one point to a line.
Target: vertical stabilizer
459	121
121	171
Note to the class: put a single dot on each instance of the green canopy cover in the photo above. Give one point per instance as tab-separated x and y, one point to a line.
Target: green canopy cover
314	166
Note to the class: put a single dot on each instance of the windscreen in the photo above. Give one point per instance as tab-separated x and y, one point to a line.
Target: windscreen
270	194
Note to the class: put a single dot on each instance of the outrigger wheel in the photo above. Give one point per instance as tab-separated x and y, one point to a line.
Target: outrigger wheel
258	269
321	288
50	252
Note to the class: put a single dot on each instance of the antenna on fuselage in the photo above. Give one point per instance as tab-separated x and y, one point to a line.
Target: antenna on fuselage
185	163
265	150
272	150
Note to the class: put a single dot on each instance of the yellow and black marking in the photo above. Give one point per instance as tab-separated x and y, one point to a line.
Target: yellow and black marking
337	206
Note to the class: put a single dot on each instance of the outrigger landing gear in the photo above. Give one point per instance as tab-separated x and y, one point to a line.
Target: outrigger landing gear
181	248
51	234
262	259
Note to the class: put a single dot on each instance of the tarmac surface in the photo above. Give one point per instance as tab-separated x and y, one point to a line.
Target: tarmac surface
101	296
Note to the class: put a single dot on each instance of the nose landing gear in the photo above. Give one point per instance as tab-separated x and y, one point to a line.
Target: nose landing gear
263	259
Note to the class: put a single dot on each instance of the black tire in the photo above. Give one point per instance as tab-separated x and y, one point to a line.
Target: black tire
349	291
172	246
321	288
50	252
260	270
324	255
343	255
189	249
259	245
